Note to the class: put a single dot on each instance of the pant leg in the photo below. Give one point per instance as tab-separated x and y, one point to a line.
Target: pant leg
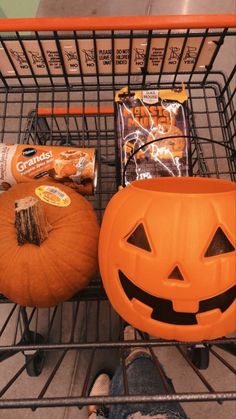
143	379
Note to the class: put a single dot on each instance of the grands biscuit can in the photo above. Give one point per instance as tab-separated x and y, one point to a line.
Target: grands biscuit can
74	167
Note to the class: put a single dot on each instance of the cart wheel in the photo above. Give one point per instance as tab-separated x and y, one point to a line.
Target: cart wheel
199	357
35	360
35	366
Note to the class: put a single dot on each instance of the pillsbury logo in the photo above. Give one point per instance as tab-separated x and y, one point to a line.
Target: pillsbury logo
29	152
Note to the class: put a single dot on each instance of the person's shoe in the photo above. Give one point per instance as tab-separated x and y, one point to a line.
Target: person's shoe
134	335
100	387
130	333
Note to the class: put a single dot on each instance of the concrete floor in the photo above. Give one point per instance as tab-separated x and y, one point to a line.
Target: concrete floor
69	379
133	7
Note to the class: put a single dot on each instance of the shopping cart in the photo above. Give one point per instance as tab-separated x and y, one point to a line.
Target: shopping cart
58	79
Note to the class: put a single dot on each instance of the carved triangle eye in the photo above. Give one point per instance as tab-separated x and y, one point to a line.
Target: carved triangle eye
176	274
220	244
139	238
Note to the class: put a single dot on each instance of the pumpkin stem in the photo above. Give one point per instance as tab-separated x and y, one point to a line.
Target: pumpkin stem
30	221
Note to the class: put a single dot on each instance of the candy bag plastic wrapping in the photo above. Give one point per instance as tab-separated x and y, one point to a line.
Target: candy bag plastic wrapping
152	134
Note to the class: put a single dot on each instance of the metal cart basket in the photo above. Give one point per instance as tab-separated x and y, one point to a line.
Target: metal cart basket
58	79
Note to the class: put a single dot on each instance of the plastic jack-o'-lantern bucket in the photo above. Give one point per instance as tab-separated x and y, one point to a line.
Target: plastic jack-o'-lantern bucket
167	256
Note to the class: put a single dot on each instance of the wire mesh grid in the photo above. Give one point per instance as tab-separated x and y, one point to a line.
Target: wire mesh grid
62	118
53	104
94	332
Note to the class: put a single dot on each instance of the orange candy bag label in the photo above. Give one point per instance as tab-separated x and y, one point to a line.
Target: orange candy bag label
53	196
74	167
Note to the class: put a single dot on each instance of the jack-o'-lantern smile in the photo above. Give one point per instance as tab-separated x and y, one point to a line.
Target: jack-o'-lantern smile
167	253
163	309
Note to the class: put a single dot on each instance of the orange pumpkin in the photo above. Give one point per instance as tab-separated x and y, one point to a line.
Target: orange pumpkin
167	256
64	263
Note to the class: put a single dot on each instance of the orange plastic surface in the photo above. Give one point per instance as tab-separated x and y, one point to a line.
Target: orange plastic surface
119	23
180	218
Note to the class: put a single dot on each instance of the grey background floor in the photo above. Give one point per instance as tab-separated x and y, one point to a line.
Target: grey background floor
69	378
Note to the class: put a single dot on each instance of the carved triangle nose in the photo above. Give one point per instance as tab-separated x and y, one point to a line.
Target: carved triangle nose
176	274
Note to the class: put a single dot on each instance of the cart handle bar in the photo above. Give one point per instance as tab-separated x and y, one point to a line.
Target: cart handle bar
98	23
